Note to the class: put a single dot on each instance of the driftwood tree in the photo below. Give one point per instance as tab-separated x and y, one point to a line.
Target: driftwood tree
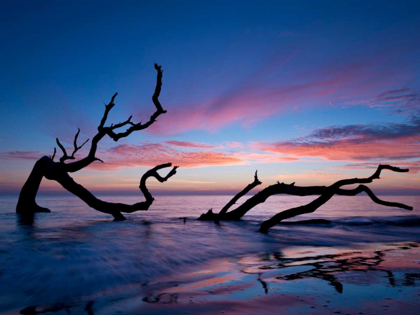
59	171
325	192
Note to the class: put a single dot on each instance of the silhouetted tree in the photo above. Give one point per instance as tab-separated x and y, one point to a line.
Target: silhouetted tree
58	171
325	192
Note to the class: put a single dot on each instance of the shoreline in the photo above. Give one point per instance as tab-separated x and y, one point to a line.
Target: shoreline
364	278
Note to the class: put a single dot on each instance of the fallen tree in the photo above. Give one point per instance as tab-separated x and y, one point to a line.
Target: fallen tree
59	171
325	194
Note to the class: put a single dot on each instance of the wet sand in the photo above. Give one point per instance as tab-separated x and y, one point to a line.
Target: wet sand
364	279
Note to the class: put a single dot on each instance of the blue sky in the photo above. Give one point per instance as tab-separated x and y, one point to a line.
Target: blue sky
247	85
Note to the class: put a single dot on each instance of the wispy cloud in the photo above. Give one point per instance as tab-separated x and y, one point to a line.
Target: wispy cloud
278	86
354	142
153	154
414	166
21	155
402	101
188	144
192	154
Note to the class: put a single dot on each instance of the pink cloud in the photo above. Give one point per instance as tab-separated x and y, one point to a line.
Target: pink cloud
347	150
22	155
413	166
233	144
354	142
392	92
153	154
187	144
271	90
403	101
258	158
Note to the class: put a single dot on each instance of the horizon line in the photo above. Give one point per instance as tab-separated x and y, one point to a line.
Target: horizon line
379	192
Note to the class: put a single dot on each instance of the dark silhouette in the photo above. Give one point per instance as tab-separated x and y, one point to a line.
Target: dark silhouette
325	192
329	267
58	171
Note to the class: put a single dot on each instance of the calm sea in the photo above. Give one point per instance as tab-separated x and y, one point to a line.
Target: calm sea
75	251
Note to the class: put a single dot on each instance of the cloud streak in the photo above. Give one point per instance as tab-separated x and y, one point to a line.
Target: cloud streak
153	154
376	142
21	155
188	144
281	86
414	166
402	101
192	154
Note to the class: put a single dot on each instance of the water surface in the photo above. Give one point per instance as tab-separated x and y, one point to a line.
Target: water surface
76	251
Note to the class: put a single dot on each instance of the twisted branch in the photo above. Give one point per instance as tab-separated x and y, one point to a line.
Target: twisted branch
76	148
115	209
103	130
140	126
248	188
330	191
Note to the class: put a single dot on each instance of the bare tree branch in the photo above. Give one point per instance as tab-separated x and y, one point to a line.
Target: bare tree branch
363	188
330	192
65	156
103	130
76	148
153	173
108	107
119	125
140	126
248	188
61	176
98	159
53	156
291	189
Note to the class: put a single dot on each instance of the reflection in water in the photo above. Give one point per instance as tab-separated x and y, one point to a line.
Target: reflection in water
32	310
263	283
89	308
329	267
56	308
164	298
25	220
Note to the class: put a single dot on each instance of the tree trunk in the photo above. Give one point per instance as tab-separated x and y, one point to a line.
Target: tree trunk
26	204
46	167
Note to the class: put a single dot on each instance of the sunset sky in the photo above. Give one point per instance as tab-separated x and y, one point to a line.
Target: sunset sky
306	92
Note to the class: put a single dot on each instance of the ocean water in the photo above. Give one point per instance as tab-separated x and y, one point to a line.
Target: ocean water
75	251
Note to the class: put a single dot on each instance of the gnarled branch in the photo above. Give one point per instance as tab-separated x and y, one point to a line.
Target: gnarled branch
248	188
291	189
53	156
76	148
363	188
114	209
330	191
103	130
325	192
65	156
108	108
140	126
